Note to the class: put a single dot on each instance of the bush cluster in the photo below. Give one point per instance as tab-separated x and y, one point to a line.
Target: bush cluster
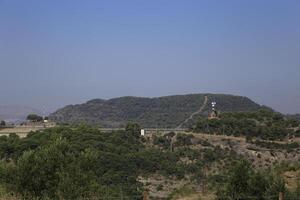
264	124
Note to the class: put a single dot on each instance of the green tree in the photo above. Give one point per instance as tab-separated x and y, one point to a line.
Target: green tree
134	129
236	186
34	118
2	123
71	163
37	172
242	182
78	180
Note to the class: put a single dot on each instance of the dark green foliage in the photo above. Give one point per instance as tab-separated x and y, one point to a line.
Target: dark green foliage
297	133
11	147
154	160
184	140
71	163
134	129
2	123
242	182
264	124
84	163
160	187
162	141
42	178
164	112
34	118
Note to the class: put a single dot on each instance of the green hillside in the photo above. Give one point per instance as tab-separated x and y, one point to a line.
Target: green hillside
264	124
166	112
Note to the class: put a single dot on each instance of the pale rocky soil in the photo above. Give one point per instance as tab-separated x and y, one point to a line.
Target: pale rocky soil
258	156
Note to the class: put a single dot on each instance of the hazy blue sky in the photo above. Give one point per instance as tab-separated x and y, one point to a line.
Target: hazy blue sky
59	52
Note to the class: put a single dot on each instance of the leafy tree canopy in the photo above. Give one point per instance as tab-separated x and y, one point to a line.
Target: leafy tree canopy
34	118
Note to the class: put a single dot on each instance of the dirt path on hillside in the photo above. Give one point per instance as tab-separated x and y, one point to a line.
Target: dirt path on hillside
195	113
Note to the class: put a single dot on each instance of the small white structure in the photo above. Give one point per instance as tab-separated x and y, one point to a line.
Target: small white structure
213	104
214	113
142	132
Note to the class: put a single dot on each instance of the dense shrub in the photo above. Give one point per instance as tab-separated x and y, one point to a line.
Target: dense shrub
71	163
242	182
264	124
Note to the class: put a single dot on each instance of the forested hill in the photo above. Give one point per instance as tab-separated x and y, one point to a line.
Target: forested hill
166	112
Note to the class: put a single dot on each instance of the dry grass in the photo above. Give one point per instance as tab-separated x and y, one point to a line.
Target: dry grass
292	179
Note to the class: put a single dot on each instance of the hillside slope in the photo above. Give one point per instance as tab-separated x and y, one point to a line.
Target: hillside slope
166	112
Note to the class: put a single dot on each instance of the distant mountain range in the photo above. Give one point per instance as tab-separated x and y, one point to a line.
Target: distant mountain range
16	113
167	112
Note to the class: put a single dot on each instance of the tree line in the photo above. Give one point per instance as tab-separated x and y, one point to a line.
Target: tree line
263	124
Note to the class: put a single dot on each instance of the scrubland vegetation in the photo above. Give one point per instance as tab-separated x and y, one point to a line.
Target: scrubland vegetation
263	124
84	163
